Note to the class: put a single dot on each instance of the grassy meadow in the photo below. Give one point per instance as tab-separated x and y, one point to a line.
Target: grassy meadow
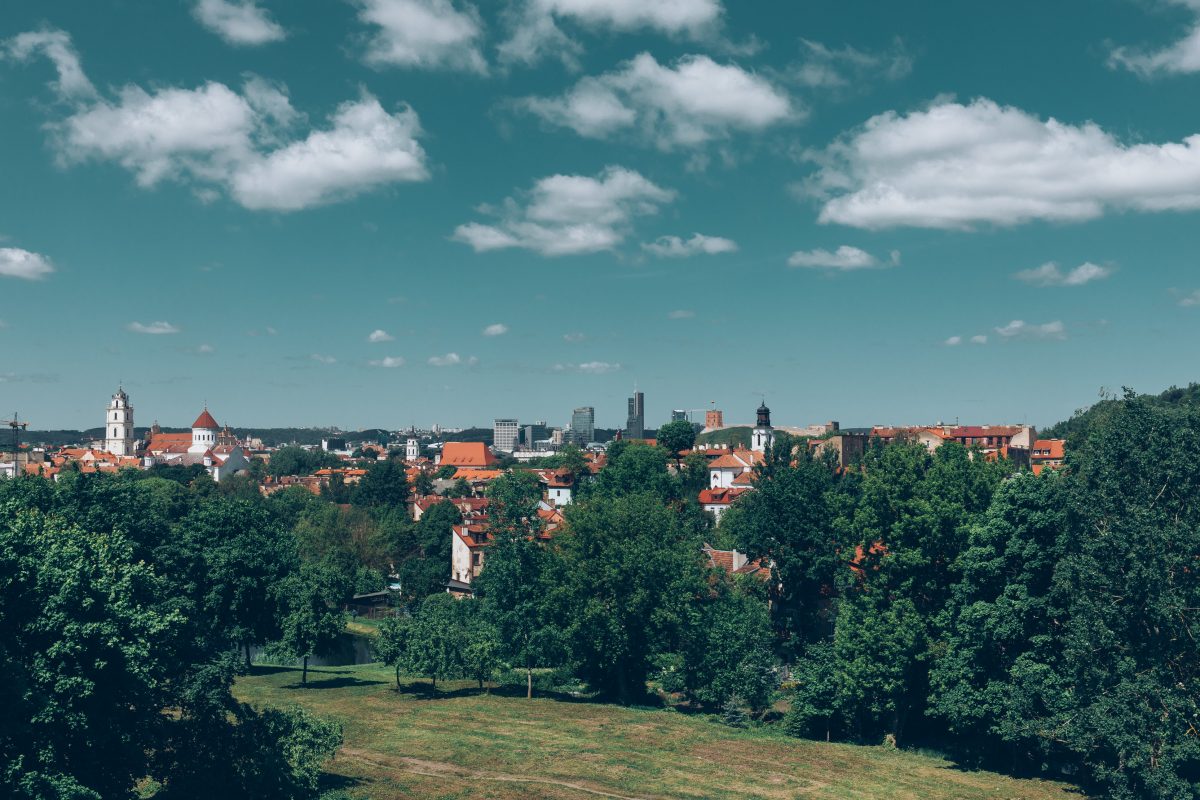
458	743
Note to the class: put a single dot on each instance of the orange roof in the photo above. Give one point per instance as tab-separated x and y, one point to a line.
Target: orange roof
472	474
719	497
467	454
739	459
1056	448
205	420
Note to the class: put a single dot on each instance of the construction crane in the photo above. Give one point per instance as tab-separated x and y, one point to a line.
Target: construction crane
17	427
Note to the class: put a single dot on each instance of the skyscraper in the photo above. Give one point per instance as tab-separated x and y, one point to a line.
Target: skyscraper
583	425
504	435
635	425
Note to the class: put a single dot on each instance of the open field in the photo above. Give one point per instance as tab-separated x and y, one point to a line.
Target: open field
459	744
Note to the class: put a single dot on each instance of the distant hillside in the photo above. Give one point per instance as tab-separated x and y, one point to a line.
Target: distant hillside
738	436
1081	422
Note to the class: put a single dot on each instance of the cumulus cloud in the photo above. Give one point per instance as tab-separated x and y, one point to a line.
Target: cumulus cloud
955	166
953	341
497	329
829	68
681	313
238	22
698	244
535	32
323	359
1021	329
588	367
574	338
979	339
1049	274
427	34
448	360
1190	301
693	102
154	328
1183	56
845	258
569	214
241	143
18	263
380	335
55	45
387	362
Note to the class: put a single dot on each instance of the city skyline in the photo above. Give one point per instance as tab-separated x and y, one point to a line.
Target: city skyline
329	218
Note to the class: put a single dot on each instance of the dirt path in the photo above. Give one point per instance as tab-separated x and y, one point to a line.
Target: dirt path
437	769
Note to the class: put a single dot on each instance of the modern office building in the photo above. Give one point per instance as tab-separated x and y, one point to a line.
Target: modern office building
504	435
530	434
635	424
583	425
679	415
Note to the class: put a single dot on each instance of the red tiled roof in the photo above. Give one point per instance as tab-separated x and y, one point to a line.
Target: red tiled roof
205	420
719	497
467	454
1056	448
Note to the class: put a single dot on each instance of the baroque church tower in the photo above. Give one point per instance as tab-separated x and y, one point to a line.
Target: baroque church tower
763	435
118	434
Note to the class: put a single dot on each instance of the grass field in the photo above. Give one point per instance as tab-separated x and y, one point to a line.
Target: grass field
456	743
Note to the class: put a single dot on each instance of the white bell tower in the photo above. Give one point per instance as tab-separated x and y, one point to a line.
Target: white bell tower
763	435
412	450
118	433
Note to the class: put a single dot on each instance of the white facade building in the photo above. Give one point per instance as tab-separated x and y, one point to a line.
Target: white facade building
118	435
504	435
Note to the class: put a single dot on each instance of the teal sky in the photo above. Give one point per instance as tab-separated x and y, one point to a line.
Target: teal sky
222	202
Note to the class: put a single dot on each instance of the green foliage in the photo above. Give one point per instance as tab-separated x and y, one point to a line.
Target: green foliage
313	621
435	641
634	468
736	437
384	486
727	651
391	645
676	436
445	471
293	460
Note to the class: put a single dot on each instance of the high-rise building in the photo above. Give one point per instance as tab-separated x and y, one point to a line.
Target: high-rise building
118	438
535	432
679	415
635	424
583	425
504	435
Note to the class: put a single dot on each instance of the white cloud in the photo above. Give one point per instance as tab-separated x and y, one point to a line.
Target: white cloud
154	328
979	339
535	32
1181	57
18	263
954	166
570	214
388	362
1049	274
845	258
448	360
323	359
574	338
55	45
238	22
428	34
1191	300
848	68
498	329
953	341
380	335
698	244
216	140
681	313
205	349
588	367
1021	329
689	104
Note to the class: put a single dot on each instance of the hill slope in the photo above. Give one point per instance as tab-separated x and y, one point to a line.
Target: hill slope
460	744
1081	422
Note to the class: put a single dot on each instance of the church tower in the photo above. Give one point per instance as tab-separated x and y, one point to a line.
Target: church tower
204	433
412	450
763	435
118	433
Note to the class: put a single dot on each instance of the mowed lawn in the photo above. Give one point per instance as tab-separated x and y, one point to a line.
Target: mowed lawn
461	744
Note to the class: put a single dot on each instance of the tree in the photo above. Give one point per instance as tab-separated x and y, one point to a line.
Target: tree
435	643
630	571
293	460
460	489
422	484
677	436
727	651
314	620
446	471
426	573
481	645
634	467
391	646
384	486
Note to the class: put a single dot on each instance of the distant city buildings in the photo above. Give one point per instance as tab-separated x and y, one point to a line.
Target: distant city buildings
504	435
635	424
583	426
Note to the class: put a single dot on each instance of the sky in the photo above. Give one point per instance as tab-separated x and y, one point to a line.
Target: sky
380	213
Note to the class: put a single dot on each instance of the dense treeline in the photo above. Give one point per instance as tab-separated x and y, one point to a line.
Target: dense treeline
1034	624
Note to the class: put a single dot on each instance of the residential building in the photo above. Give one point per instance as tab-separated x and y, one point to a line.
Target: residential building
847	448
716	501
1048	453
635	423
734	469
583	425
504	435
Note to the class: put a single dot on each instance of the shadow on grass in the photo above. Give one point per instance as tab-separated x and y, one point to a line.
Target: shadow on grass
340	682
268	669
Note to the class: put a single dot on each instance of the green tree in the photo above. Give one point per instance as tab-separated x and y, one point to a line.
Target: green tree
631	569
435	642
445	471
422	484
314	620
677	436
384	486
293	460
481	645
391	646
727	651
